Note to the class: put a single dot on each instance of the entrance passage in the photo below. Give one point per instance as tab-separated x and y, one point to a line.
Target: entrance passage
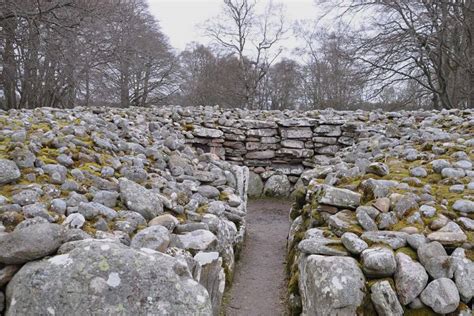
259	286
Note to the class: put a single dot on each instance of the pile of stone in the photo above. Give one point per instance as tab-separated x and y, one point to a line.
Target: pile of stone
110	210
387	227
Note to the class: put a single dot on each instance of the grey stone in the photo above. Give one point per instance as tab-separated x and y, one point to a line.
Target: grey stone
339	197
405	205
166	220
430	250
255	185
277	186
107	198
416	240
25	197
441	295
391	238
74	220
427	210
113	279
208	191
30	243
353	243
378	262
385	220
322	246
91	210
155	237
207	132
9	171
440	164
440	267
385	299
410	278
326	290
212	277
199	239
37	210
365	220
139	199
58	206
418	172
464	206
464	278
463	164
455	173
378	168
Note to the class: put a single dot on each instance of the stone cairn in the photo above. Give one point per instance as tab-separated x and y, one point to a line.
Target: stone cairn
142	211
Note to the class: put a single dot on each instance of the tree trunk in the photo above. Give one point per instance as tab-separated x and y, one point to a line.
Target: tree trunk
9	64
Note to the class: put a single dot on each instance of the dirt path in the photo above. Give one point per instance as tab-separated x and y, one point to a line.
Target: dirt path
259	282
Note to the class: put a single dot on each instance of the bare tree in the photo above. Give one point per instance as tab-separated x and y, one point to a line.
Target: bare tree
65	52
252	37
330	74
427	42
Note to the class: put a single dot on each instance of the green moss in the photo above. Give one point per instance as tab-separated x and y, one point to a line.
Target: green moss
48	155
104	265
224	196
202	209
409	252
293	284
188	127
424	311
181	218
369	283
300	198
91	167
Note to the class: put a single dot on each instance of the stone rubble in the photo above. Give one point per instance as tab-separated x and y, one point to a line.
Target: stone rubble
399	201
382	222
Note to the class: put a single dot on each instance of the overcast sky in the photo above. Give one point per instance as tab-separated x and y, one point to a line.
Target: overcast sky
179	18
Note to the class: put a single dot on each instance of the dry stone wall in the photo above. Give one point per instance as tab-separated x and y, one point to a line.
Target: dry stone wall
270	142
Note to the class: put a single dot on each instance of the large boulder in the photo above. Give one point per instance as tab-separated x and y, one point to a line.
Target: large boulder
30	243
330	285
277	186
139	199
107	278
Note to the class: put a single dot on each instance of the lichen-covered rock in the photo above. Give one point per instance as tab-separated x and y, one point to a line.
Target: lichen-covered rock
155	237
385	299
339	197
108	278
139	199
441	295
353	243
330	285
378	262
199	239
277	186
255	185
410	278
30	243
9	171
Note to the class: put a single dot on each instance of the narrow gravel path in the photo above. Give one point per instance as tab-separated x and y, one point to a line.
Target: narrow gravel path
260	280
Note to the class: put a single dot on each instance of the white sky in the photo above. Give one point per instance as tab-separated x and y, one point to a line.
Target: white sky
179	18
